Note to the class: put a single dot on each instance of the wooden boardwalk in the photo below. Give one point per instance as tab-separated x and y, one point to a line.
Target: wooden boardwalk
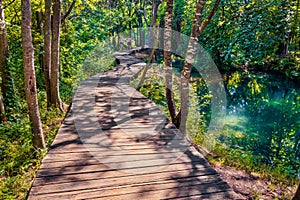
117	144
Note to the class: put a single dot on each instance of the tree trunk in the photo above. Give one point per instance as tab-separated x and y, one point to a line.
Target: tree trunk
186	71
113	39
29	73
3	117
129	42
136	37
55	42
141	25
297	194
168	63
178	18
39	28
3	56
156	36
3	47
155	5
144	14
47	49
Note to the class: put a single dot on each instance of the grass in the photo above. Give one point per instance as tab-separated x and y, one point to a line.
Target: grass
224	156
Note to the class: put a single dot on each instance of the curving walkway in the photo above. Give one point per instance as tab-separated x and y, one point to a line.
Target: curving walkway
116	144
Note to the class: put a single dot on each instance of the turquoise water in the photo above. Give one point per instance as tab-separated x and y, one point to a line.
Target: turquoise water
263	118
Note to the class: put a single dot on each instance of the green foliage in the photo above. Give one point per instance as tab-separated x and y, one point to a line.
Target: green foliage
16	187
251	35
256	34
14	155
18	160
251	164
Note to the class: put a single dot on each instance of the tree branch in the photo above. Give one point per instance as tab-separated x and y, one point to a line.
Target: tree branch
144	14
9	4
210	16
68	12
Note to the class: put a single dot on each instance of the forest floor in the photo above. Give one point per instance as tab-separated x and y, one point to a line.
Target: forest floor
248	186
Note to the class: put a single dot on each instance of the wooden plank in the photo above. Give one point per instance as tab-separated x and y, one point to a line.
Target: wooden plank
114	155
69	163
189	156
220	192
151	190
77	147
181	171
132	166
116	182
115	151
125	134
94	161
131	155
74	147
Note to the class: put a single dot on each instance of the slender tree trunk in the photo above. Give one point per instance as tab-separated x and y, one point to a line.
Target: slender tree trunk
140	21
178	18
55	42
155	5
39	21
39	28
3	55
3	47
156	35
113	39
29	72
168	63
47	49
3	117
136	37
129	43
186	71
144	14
178	14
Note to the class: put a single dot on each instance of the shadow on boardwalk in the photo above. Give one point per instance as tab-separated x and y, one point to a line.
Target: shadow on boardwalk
116	144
